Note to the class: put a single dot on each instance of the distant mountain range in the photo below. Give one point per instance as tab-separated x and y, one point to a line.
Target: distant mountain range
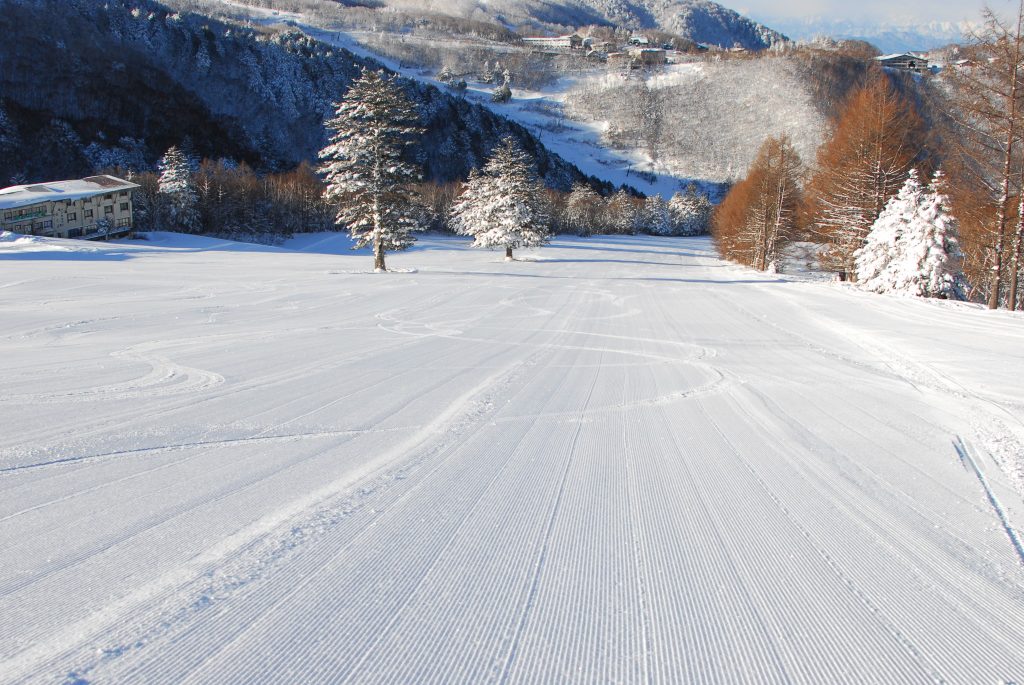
888	38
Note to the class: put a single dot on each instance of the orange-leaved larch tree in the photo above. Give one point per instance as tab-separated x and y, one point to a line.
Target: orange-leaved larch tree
986	165
760	212
877	140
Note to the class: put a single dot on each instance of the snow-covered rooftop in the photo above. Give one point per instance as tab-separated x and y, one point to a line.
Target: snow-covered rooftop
882	58
25	196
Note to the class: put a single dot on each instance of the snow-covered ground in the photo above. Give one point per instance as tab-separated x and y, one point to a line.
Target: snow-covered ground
622	461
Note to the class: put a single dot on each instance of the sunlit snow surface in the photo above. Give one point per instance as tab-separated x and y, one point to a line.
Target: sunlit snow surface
620	460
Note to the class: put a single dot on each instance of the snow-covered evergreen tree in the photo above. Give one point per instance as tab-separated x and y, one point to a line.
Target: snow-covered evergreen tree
690	212
932	257
363	167
878	258
502	93
504	205
913	249
178	188
655	216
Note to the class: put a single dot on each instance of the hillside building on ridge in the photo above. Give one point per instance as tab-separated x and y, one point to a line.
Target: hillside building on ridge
906	61
569	42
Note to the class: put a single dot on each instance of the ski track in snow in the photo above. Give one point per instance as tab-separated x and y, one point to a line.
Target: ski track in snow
625	461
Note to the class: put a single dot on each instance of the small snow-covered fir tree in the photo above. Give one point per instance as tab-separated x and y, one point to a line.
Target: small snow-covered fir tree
932	258
178	188
502	93
504	205
363	167
912	248
655	216
878	258
690	212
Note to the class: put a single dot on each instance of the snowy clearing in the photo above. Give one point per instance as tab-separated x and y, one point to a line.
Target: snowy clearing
624	461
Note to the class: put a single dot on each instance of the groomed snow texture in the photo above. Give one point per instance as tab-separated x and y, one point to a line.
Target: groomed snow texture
618	460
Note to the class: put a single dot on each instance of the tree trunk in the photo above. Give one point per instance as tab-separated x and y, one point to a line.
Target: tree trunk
1014	275
508	253
997	267
378	255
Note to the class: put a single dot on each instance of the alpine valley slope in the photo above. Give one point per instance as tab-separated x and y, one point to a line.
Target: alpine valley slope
622	461
702	21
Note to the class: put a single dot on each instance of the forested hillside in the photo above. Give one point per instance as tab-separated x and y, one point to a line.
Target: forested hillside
698	20
119	82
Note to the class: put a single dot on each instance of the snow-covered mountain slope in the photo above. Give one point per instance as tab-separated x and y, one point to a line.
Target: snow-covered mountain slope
625	461
709	117
258	94
700	20
542	113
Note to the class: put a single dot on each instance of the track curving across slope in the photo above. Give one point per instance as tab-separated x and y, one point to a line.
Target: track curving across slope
625	462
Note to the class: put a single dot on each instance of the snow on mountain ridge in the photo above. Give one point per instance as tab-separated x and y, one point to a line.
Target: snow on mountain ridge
703	21
887	37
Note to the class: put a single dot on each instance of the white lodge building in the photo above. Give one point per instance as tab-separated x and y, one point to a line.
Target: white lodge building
93	207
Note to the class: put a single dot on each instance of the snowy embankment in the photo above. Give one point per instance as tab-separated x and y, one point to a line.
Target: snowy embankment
626	462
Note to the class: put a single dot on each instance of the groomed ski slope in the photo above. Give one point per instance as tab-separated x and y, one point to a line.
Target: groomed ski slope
624	461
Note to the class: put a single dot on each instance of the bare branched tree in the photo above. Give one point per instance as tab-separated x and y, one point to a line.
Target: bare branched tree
987	90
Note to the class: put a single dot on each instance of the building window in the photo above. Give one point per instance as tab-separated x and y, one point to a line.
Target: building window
109	209
124	206
123	193
74	232
72	216
124	223
108	196
87	214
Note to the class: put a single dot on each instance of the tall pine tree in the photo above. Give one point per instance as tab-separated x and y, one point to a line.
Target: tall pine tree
179	192
505	204
363	167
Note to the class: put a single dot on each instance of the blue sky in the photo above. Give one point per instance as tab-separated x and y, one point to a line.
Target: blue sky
873	11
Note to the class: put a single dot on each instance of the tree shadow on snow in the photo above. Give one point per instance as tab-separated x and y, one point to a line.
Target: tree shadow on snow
606	261
64	256
639	279
635	250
